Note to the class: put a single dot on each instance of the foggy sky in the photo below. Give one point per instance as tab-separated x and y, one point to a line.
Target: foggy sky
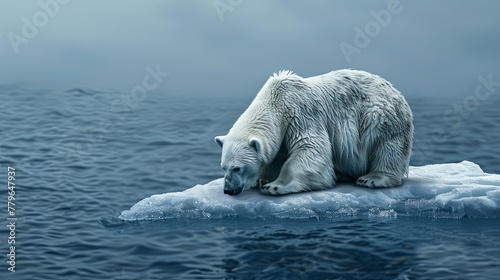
428	48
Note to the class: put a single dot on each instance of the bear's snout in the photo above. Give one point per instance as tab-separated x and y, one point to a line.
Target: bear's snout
231	188
229	192
232	191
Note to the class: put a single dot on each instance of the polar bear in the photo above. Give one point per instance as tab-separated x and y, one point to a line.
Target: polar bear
304	134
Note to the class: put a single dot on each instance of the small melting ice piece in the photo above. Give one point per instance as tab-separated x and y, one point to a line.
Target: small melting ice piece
452	190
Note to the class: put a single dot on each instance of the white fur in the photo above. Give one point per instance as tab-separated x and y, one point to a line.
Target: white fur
311	132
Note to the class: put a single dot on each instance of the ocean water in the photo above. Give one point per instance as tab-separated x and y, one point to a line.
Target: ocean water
84	156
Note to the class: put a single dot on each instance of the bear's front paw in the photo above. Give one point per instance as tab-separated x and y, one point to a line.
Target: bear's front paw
378	180
272	188
261	183
275	188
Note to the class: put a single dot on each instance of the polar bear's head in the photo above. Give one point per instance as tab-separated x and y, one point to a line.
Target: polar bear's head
242	161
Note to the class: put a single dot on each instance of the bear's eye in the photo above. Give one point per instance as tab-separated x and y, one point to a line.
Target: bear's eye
236	169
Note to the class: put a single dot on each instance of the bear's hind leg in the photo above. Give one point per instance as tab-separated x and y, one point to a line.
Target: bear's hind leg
388	165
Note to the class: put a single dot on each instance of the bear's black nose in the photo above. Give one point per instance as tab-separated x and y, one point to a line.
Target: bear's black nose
229	192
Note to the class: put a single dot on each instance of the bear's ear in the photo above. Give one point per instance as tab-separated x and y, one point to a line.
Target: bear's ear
256	144
219	140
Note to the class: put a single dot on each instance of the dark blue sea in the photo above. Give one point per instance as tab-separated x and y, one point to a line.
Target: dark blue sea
82	156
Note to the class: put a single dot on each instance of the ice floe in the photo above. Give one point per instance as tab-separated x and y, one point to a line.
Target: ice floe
451	190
